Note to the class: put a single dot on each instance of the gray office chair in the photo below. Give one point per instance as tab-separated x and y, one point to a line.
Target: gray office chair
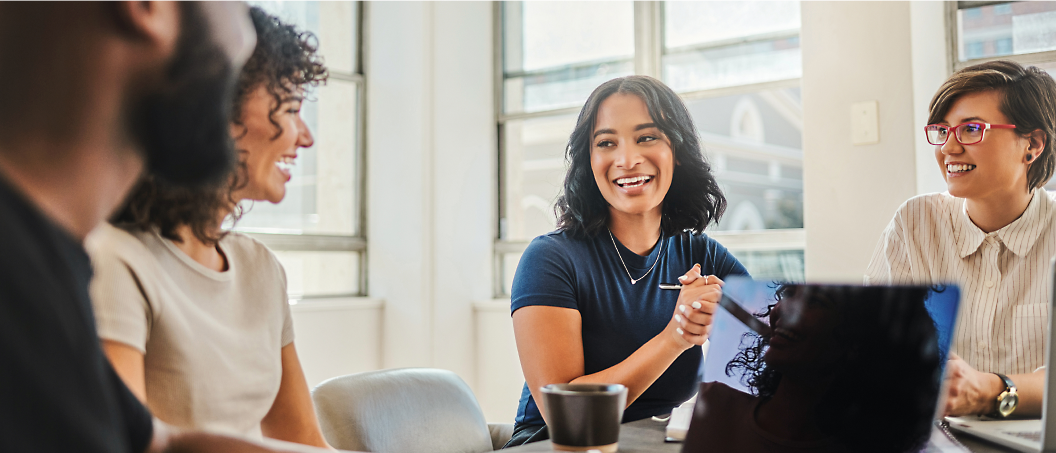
405	410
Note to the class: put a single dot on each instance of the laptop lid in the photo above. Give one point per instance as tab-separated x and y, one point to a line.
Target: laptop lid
842	365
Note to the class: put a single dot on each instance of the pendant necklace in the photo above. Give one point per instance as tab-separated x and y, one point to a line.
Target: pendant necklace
628	271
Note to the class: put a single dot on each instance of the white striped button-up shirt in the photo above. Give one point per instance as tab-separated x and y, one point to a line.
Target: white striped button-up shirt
1004	276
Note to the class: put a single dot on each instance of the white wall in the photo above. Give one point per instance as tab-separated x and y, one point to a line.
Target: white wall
431	177
862	51
335	337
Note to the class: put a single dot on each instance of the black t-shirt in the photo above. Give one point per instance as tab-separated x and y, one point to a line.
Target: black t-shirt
58	392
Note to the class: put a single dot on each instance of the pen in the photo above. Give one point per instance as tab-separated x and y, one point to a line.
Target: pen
735	309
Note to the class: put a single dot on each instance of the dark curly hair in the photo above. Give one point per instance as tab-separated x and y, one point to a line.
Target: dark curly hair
885	389
694	199
284	61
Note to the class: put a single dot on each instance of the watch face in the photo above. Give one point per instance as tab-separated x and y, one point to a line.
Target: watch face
1008	404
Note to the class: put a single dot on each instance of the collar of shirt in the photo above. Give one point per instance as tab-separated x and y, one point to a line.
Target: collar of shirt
1019	236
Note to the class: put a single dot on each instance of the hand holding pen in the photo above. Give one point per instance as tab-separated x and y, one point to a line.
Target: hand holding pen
698	300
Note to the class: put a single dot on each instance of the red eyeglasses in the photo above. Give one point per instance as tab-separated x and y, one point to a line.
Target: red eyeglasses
968	133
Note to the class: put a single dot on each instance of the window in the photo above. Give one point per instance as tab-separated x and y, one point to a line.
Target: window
317	230
987	30
737	66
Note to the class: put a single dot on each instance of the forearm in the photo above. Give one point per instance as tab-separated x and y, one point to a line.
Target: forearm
638	371
1031	390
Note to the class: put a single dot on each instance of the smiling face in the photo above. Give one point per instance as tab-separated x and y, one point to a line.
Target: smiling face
268	158
991	168
630	157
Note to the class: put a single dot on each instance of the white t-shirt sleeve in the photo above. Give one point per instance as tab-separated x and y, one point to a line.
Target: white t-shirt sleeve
122	310
287	317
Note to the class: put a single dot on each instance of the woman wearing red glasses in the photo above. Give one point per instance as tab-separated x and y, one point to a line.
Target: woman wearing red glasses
992	233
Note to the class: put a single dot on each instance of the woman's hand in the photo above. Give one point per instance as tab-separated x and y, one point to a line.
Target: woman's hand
697	302
969	391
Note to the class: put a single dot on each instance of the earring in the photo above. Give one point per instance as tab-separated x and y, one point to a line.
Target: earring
1030	157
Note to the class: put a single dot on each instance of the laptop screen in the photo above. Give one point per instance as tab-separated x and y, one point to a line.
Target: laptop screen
840	368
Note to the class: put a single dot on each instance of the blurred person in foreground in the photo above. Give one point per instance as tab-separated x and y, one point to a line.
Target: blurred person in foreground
196	319
93	94
847	369
993	126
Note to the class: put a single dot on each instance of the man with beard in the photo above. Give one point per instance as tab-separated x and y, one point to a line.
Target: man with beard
92	94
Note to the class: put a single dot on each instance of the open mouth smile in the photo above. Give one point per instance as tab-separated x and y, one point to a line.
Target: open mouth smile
633	181
959	168
285	164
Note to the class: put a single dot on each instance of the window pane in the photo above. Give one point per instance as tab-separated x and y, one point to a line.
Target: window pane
719	44
321	197
554	58
509	268
320	273
534	173
780	265
754	142
1007	29
334	24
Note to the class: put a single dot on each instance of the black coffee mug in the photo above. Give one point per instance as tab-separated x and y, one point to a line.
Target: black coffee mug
584	416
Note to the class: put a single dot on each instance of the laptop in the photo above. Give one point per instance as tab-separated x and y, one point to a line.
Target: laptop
814	343
1022	435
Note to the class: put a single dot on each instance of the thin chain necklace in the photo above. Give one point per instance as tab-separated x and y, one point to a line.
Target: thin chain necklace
636	280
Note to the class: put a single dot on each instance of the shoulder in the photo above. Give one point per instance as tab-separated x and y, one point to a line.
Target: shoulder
717	392
248	251
108	244
556	245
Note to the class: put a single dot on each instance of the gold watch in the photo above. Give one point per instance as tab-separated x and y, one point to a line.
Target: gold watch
1008	399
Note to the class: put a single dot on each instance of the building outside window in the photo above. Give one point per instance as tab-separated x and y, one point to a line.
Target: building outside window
317	230
737	66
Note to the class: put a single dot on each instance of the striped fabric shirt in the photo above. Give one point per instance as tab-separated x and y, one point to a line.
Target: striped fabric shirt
1004	275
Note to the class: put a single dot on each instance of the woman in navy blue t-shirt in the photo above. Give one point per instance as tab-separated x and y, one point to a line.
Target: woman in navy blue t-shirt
586	303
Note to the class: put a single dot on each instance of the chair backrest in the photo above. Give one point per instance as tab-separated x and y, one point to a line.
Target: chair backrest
405	410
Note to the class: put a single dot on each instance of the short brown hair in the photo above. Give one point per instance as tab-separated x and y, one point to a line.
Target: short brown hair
1029	103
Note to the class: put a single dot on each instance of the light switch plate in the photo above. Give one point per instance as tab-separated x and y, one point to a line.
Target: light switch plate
865	123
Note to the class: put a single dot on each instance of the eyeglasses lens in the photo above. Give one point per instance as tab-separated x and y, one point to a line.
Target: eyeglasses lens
970	133
937	134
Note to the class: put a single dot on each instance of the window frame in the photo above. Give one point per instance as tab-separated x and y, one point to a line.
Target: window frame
357	243
953	40
648	58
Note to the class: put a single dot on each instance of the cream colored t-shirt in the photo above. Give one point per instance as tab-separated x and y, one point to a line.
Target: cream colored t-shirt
211	340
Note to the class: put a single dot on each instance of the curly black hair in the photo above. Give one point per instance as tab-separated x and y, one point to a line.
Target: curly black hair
694	199
285	61
885	389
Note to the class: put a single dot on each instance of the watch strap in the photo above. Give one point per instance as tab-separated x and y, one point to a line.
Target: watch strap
1009	385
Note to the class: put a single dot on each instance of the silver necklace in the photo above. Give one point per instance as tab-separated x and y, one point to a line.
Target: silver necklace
628	271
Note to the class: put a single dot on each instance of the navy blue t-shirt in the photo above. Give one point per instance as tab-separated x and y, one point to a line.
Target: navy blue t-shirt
558	270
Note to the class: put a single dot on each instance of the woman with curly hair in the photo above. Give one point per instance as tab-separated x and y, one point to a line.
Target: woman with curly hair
194	319
847	369
586	302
